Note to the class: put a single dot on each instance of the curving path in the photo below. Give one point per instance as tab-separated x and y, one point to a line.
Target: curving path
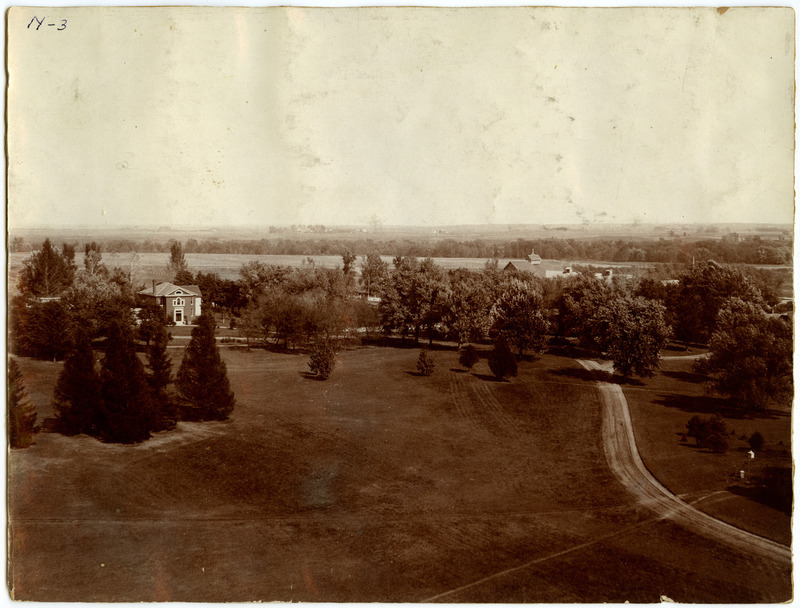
626	463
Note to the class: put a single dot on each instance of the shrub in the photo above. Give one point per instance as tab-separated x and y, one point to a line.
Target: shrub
425	364
717	443
468	356
501	360
756	441
322	360
711	433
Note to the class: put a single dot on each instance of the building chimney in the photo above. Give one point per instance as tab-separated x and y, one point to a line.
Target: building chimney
154	287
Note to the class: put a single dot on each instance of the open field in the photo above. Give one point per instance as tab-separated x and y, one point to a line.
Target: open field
154	265
377	485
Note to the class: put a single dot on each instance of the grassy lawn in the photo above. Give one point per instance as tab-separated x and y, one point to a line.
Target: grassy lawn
660	410
377	485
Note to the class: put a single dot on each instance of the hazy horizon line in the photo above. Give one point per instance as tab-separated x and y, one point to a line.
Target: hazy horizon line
200	228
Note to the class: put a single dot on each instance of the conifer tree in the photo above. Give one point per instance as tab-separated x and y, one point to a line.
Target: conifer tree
77	394
21	414
159	376
127	411
203	377
501	360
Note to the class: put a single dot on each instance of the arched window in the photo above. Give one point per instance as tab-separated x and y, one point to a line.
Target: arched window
179	302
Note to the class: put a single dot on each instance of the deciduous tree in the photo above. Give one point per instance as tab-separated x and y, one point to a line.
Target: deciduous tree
47	272
702	292
636	334
374	273
750	356
518	316
177	262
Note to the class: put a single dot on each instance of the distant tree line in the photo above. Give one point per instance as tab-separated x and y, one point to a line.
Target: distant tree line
729	249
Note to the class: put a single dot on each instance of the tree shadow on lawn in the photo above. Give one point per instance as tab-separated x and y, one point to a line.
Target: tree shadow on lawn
595	376
408	343
570	351
772	488
489	378
686	376
702	404
311	376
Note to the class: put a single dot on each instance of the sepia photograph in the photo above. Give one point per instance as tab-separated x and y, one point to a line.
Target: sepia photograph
400	304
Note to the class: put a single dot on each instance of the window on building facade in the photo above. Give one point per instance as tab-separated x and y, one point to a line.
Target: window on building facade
179	302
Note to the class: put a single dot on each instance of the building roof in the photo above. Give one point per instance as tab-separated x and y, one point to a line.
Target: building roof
169	289
518	265
534	258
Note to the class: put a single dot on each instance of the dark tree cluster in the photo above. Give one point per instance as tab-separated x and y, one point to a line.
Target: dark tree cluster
56	297
124	401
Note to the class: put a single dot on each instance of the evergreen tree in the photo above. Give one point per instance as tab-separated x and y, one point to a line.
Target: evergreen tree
127	411
77	394
42	330
425	364
159	377
203	377
21	414
501	360
468	356
322	360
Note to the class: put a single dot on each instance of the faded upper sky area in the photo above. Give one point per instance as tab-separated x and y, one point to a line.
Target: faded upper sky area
226	116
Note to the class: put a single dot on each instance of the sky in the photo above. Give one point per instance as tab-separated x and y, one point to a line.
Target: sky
400	116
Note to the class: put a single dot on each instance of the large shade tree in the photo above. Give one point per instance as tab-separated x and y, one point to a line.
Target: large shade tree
750	356
519	316
702	292
636	333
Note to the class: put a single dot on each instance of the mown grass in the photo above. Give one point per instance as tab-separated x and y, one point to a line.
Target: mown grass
660	409
377	485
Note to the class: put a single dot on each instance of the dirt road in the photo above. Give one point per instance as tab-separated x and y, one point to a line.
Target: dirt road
626	463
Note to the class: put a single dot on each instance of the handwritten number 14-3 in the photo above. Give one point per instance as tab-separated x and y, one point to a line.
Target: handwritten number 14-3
36	23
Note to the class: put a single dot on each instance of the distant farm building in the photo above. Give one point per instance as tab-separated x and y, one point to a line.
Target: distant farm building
532	264
181	303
